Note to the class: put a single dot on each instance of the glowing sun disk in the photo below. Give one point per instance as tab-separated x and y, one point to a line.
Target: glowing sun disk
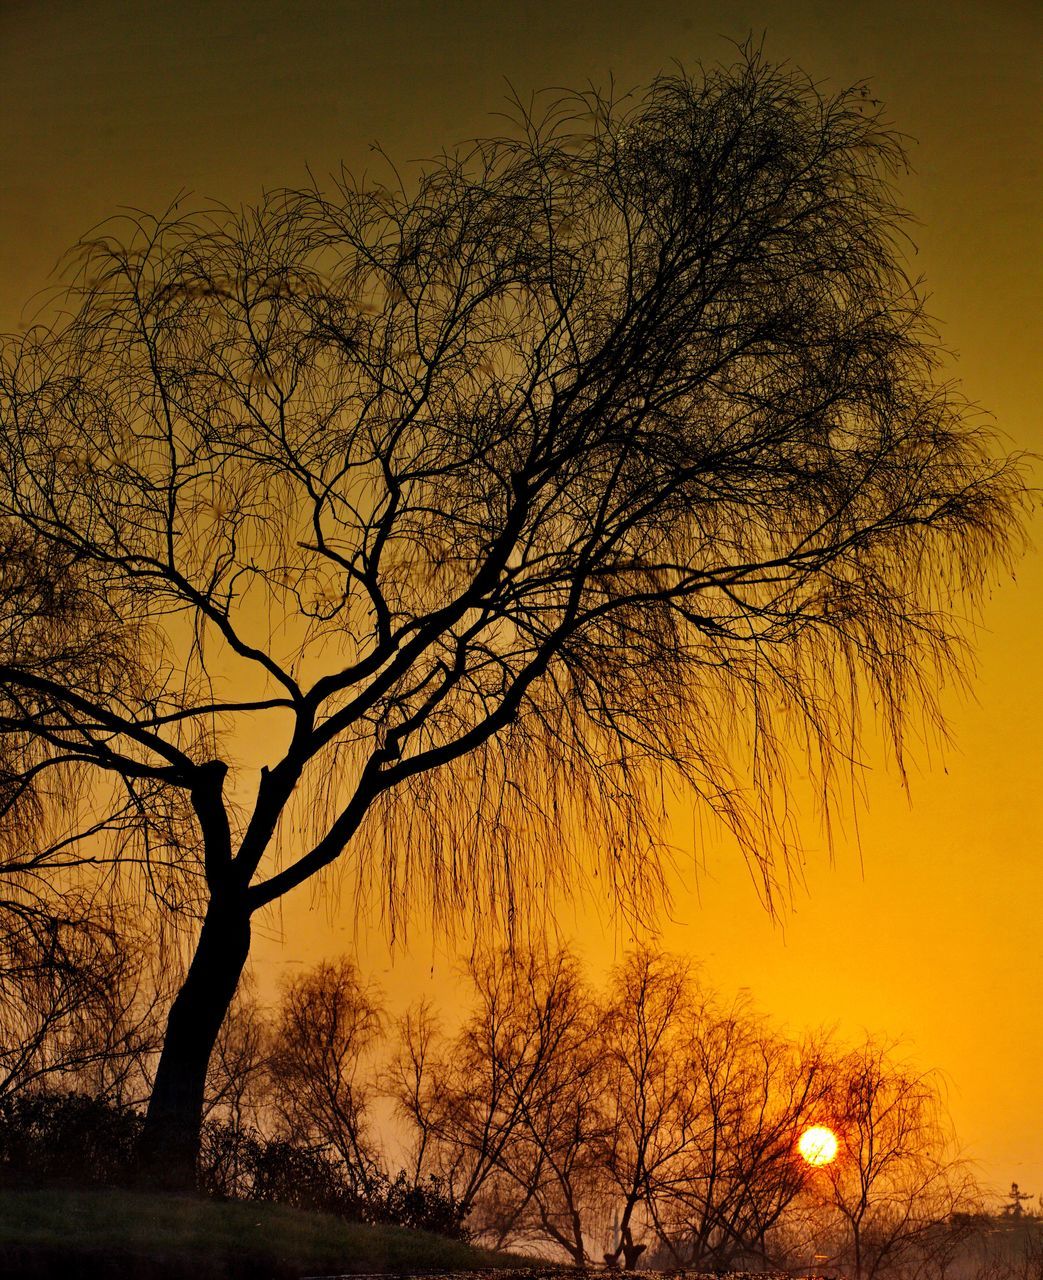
818	1145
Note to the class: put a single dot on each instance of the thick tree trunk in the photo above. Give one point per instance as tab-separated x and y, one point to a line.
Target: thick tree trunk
169	1145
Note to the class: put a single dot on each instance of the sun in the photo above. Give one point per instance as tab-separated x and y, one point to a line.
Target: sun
818	1145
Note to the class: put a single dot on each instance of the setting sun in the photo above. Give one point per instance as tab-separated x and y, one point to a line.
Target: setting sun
818	1145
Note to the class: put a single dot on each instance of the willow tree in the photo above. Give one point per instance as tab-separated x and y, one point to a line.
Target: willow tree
459	515
74	965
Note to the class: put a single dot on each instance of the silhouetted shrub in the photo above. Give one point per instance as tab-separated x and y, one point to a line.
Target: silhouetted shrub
66	1137
228	1159
76	1139
425	1206
303	1177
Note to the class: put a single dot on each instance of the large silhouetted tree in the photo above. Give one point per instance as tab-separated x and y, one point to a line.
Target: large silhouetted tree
450	514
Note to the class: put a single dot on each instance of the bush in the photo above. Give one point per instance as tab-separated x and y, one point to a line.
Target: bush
236	1164
424	1206
66	1137
75	1139
227	1161
303	1177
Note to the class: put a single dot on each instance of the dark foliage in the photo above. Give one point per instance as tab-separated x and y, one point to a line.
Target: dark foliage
60	1137
426	1206
303	1177
243	1165
48	1138
227	1157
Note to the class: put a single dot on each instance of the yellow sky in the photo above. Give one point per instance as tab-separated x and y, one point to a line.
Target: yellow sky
927	926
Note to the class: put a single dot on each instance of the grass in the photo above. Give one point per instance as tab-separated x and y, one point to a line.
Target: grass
126	1235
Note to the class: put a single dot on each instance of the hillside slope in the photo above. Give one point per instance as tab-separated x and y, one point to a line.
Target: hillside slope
125	1235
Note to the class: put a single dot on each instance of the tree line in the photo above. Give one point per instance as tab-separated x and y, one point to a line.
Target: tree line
648	1121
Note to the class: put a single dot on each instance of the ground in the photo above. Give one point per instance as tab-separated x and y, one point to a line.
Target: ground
125	1235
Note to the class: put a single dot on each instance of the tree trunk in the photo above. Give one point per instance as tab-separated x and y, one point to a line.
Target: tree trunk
169	1145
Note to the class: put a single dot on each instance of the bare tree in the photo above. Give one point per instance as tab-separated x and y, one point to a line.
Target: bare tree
507	1111
667	1120
238	1082
564	1115
324	1031
739	1176
407	1081
608	455
897	1178
783	1086
455	1100
467	1096
238	1103
652	1101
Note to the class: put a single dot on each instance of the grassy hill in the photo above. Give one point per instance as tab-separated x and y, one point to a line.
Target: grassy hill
125	1235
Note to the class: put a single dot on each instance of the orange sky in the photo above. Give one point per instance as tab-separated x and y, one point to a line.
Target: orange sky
927	927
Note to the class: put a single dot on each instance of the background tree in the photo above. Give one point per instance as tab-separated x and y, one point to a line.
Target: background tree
467	1096
239	1105
325	1028
564	1116
739	1175
507	1112
650	1115
238	1084
897	1177
652	1100
608	455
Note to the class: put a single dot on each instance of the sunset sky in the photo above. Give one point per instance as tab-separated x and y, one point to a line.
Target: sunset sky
926	925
